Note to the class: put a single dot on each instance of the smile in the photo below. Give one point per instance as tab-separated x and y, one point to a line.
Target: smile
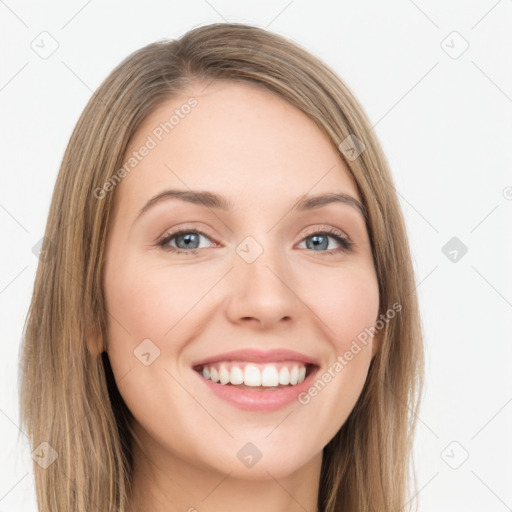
258	387
245	374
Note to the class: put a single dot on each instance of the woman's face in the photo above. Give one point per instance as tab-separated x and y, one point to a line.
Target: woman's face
258	275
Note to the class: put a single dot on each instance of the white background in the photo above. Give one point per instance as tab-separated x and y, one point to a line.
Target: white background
445	125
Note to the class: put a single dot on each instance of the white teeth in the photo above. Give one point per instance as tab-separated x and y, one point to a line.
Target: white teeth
223	374
251	375
214	374
236	376
284	376
269	376
294	375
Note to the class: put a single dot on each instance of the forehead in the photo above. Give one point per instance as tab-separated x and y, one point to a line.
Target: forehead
237	139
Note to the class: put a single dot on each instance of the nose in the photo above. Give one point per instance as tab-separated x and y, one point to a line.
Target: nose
262	292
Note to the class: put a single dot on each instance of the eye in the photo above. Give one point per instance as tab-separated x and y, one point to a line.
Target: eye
320	239
187	241
187	238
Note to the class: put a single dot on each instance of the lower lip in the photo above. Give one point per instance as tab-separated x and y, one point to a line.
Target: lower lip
260	401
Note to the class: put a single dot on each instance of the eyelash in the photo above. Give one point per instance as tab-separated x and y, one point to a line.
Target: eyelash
346	244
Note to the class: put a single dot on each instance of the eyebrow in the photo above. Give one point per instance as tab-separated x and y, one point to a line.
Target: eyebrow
218	202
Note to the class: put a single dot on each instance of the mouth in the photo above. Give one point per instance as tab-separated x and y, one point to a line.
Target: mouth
262	388
252	376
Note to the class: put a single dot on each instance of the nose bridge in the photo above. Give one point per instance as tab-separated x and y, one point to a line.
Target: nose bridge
261	282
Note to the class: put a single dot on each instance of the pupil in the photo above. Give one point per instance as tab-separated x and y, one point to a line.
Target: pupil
188	238
316	243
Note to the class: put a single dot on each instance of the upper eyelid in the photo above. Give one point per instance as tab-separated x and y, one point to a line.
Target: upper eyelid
330	230
180	231
204	231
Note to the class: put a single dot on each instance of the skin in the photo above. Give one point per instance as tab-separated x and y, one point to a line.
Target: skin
260	152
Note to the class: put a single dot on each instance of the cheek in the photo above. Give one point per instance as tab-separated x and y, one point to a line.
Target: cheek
150	300
346	300
161	303
145	303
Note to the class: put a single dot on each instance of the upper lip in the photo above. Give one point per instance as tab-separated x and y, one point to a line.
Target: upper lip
258	356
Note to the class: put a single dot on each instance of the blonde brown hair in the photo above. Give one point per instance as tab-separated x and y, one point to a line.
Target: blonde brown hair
69	398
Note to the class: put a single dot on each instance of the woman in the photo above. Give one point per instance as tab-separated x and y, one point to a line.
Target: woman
252	370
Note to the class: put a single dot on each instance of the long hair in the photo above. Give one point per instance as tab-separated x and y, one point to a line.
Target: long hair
68	396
